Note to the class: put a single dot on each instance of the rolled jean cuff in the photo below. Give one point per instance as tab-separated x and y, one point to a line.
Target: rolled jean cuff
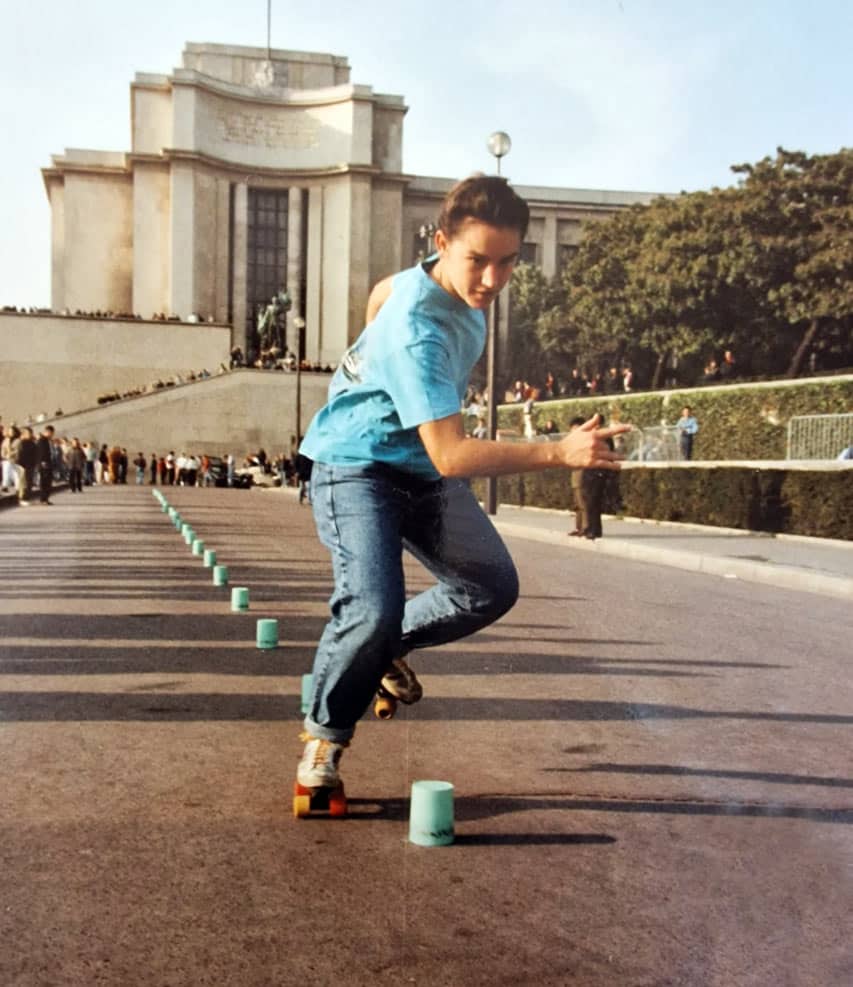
327	733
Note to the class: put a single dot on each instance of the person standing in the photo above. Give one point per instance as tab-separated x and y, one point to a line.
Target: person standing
593	491
728	367
687	429
152	466
303	467
391	459
26	456
91	451
9	466
140	464
44	459
576	480
76	464
102	469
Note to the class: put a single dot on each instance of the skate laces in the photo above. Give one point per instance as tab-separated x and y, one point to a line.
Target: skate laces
325	751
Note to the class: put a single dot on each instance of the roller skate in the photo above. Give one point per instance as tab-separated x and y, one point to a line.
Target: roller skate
399	685
318	786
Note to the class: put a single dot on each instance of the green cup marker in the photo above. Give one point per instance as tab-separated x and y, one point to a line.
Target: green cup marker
307	690
267	634
431	813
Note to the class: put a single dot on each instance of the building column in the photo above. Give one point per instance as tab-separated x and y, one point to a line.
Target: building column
314	274
295	265
549	246
181	284
223	234
240	238
56	192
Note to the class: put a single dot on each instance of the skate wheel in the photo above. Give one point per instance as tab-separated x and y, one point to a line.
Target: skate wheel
337	805
385	707
301	806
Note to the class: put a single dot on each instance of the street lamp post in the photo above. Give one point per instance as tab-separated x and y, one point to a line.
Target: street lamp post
299	325
499	145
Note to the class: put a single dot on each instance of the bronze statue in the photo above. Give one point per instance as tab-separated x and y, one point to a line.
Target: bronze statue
270	331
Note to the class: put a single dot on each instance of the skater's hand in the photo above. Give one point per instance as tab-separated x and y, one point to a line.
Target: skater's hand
587	447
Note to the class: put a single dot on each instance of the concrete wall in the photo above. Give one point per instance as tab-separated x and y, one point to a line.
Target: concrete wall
51	361
238	412
98	231
151	239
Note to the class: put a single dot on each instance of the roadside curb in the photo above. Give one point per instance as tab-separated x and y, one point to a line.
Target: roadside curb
768	573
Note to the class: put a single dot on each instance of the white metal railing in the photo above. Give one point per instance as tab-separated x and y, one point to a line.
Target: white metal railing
818	436
657	444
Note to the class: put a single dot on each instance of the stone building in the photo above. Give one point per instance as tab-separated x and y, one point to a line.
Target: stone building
251	170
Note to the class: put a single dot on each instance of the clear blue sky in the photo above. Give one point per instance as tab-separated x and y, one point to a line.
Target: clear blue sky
648	95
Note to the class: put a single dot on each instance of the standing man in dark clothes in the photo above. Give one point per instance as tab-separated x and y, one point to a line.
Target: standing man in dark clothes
26	457
44	459
303	467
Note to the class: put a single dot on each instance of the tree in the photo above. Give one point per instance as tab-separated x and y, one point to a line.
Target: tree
531	294
799	209
765	267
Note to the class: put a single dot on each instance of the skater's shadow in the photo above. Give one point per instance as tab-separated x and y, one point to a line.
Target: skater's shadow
468	810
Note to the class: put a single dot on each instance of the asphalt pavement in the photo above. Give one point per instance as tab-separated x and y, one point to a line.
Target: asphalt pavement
815	565
655	793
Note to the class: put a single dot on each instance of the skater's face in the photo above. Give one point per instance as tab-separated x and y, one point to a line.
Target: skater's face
476	262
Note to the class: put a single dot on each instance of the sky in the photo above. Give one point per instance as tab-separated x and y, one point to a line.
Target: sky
642	95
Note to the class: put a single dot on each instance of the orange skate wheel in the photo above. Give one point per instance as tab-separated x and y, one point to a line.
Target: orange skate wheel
338	805
301	806
385	707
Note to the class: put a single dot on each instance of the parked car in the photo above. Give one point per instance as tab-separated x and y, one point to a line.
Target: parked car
255	476
218	471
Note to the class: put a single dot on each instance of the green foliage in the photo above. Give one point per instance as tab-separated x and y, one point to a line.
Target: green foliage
747	421
531	297
817	503
764	268
741	422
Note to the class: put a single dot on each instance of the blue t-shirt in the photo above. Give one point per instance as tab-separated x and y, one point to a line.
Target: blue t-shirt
409	366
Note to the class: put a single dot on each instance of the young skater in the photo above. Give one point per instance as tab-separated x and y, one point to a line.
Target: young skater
390	457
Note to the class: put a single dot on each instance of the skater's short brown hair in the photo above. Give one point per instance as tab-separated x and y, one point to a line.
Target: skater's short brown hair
487	198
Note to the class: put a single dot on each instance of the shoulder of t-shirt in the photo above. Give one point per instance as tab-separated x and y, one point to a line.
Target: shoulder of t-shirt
411	308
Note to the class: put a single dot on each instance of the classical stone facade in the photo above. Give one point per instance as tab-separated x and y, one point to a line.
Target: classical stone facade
251	170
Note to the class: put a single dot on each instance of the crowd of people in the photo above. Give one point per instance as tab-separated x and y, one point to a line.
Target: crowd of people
188	377
276	359
160	384
105	314
616	380
33	460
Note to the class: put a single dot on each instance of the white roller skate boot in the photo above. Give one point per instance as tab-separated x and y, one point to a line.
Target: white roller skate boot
319	765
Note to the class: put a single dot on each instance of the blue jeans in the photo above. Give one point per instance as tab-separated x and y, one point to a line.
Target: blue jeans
366	516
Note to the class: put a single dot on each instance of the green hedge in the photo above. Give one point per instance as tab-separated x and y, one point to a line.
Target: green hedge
804	502
744	421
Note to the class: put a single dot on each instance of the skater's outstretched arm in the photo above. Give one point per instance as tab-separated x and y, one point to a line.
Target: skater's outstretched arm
454	454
